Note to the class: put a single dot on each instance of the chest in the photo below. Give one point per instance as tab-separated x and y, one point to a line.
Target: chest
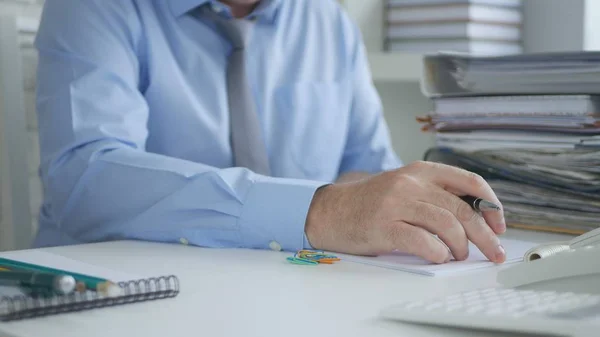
299	84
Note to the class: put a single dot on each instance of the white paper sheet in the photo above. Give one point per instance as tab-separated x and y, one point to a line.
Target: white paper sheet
515	250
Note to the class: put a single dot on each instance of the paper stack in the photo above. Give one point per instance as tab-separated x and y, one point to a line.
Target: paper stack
521	122
480	27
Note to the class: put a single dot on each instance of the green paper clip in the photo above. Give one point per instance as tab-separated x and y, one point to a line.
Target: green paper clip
297	260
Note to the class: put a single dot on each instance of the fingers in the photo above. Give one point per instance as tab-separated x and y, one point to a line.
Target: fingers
468	183
472	224
439	221
414	240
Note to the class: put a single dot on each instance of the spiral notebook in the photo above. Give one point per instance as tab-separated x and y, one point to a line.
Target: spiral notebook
16	304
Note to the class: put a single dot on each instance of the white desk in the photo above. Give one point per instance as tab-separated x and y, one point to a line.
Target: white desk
252	293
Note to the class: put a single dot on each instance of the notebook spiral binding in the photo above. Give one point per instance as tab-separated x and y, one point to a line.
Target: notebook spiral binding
21	307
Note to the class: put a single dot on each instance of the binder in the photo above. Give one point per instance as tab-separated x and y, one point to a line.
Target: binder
492	168
523	105
552	73
423	3
450	13
454	30
474	47
19	307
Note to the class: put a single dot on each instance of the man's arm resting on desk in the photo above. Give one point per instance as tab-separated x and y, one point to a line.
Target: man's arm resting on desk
101	183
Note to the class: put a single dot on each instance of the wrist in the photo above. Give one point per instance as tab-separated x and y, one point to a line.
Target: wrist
316	217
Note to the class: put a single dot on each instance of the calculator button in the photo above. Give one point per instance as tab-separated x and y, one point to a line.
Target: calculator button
433	306
414	305
475	309
494	311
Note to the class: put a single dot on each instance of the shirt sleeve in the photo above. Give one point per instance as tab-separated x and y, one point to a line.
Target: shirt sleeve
368	147
100	182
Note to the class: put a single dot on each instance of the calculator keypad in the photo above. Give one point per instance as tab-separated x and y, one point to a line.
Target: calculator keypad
514	303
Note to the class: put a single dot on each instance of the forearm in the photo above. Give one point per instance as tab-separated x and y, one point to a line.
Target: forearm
106	191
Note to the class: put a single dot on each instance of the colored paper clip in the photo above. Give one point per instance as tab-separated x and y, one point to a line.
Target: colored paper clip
315	256
328	261
297	260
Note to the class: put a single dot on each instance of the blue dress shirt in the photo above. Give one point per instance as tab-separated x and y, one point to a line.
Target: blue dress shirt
134	123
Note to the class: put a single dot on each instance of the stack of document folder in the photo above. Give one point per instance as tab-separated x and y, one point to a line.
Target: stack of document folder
537	142
482	27
577	114
558	73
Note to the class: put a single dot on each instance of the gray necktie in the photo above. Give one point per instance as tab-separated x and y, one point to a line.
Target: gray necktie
248	146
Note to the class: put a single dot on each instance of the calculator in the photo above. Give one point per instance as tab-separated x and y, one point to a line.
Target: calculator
549	313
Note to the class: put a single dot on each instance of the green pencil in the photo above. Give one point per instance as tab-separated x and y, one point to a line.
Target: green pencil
84	282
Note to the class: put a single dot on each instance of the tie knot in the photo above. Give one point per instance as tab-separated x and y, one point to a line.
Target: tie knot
237	31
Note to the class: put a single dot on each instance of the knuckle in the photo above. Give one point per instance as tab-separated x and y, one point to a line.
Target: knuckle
476	181
442	218
445	219
390	175
465	213
405	181
420	165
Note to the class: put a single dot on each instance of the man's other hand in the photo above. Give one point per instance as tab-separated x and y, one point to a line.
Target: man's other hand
402	209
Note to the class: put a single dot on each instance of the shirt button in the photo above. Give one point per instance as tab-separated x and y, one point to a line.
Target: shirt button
274	245
184	241
216	8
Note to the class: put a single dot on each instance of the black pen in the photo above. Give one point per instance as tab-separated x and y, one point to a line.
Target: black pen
479	204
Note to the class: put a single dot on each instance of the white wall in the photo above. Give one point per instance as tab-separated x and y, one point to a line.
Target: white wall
21	7
591	29
402	100
561	25
30	149
403	103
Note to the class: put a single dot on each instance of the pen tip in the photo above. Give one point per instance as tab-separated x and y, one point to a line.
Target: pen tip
488	206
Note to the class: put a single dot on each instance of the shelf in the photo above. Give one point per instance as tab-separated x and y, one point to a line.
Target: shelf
395	67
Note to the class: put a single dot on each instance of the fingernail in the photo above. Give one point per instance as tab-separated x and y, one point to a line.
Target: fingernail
500	253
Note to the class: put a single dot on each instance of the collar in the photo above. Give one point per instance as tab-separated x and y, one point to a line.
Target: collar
267	9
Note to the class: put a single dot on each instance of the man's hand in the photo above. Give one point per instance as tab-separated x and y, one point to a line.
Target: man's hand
401	209
352	177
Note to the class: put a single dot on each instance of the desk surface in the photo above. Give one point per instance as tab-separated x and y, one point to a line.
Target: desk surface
253	293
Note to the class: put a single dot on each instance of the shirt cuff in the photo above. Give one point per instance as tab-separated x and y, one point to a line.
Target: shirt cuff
274	214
